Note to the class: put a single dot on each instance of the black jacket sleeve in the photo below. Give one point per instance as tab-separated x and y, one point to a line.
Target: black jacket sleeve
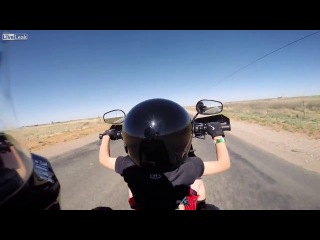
190	170
122	163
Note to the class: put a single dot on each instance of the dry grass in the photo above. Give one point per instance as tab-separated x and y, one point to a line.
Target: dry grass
190	108
300	114
42	136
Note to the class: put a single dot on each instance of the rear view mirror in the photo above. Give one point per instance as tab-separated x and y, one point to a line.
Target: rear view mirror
209	107
114	117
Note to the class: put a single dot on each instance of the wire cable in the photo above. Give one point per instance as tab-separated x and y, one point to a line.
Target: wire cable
233	73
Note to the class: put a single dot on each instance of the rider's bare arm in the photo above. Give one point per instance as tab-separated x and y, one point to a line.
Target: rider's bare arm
104	154
223	160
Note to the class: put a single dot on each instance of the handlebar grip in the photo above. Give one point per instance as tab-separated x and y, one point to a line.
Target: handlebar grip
119	135
226	127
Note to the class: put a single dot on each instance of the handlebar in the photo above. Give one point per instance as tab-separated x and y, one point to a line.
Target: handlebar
199	126
226	127
199	129
119	135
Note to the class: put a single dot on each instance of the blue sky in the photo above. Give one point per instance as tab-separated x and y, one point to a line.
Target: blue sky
64	75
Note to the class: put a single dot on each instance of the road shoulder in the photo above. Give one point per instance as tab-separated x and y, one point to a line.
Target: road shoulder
64	147
295	148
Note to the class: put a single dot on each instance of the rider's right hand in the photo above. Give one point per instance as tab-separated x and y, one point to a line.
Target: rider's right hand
214	129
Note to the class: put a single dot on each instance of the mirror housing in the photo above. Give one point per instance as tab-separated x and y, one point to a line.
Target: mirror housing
114	117
209	107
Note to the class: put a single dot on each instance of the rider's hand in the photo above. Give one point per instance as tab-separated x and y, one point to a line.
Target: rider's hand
214	129
112	133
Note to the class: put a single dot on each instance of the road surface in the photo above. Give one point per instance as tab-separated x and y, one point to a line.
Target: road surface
256	180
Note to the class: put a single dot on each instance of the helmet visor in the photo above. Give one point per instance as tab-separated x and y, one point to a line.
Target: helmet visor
15	159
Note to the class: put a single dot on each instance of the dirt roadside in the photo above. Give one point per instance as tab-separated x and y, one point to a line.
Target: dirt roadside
64	147
295	148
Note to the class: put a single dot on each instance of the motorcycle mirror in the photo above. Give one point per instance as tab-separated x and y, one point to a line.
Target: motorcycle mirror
209	107
114	117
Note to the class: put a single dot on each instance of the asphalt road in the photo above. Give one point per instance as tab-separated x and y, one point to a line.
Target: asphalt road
256	180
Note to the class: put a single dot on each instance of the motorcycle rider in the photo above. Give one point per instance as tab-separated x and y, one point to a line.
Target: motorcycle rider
201	107
157	135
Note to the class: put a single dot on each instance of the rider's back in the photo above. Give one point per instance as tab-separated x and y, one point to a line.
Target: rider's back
155	189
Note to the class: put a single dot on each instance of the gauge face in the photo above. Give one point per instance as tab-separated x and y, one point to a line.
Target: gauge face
43	170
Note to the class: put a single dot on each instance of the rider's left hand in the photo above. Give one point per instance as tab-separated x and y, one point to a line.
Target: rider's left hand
112	133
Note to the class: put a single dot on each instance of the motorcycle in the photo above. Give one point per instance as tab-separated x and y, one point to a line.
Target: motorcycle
206	111
41	190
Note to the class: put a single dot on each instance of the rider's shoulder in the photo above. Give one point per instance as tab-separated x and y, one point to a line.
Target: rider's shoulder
124	158
122	163
194	163
193	160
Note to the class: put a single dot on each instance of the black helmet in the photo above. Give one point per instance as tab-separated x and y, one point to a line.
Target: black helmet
157	133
